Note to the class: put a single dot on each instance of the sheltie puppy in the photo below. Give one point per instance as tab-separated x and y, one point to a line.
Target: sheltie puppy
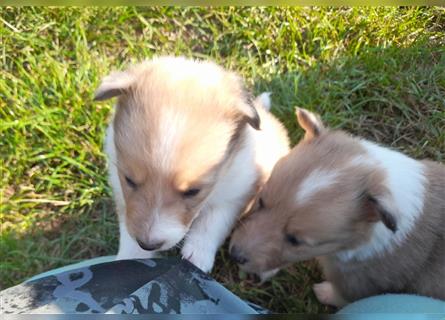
187	150
374	217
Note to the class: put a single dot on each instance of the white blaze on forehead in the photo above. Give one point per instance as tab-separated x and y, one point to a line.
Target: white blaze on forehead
317	180
172	125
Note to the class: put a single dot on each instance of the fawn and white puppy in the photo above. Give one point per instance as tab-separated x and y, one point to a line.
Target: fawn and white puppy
187	150
374	217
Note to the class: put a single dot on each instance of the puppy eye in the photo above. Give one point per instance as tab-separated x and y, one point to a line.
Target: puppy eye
292	240
260	203
130	183
190	193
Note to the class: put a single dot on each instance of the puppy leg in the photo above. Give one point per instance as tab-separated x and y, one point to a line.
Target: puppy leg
327	294
207	234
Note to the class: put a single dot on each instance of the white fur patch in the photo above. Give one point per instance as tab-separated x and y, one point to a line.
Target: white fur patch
327	294
406	182
270	142
128	247
263	100
166	228
317	180
113	177
264	276
171	127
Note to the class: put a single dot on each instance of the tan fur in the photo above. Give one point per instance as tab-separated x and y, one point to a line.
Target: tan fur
340	217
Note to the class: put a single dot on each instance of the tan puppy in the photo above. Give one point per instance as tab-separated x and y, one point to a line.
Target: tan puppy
374	217
187	150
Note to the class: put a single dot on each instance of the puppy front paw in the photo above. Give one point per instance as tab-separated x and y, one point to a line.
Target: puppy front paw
327	294
135	254
264	276
200	256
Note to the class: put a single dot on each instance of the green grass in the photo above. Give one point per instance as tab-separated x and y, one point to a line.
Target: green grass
377	72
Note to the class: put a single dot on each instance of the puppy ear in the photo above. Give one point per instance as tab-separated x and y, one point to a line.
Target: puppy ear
114	85
310	122
263	101
375	211
248	109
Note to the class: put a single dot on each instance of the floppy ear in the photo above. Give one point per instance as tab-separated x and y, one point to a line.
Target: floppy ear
375	211
251	115
310	122
114	85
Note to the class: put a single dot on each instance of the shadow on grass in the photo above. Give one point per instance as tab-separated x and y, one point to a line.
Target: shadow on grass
65	239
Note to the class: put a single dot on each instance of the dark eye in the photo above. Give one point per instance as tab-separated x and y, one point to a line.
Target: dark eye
292	240
190	193
260	203
130	183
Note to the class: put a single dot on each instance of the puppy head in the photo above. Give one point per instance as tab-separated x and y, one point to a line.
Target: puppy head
177	123
324	197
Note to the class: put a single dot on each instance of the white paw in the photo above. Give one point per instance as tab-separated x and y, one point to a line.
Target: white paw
325	293
135	254
200	256
264	276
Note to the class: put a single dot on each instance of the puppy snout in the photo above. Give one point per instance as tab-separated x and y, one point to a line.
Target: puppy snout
149	246
237	255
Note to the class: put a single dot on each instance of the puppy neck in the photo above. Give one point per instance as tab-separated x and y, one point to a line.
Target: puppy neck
406	182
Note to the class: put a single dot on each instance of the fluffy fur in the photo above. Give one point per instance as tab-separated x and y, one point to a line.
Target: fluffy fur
184	155
374	217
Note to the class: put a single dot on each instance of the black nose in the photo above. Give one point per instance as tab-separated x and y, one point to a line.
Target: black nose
236	255
149	246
